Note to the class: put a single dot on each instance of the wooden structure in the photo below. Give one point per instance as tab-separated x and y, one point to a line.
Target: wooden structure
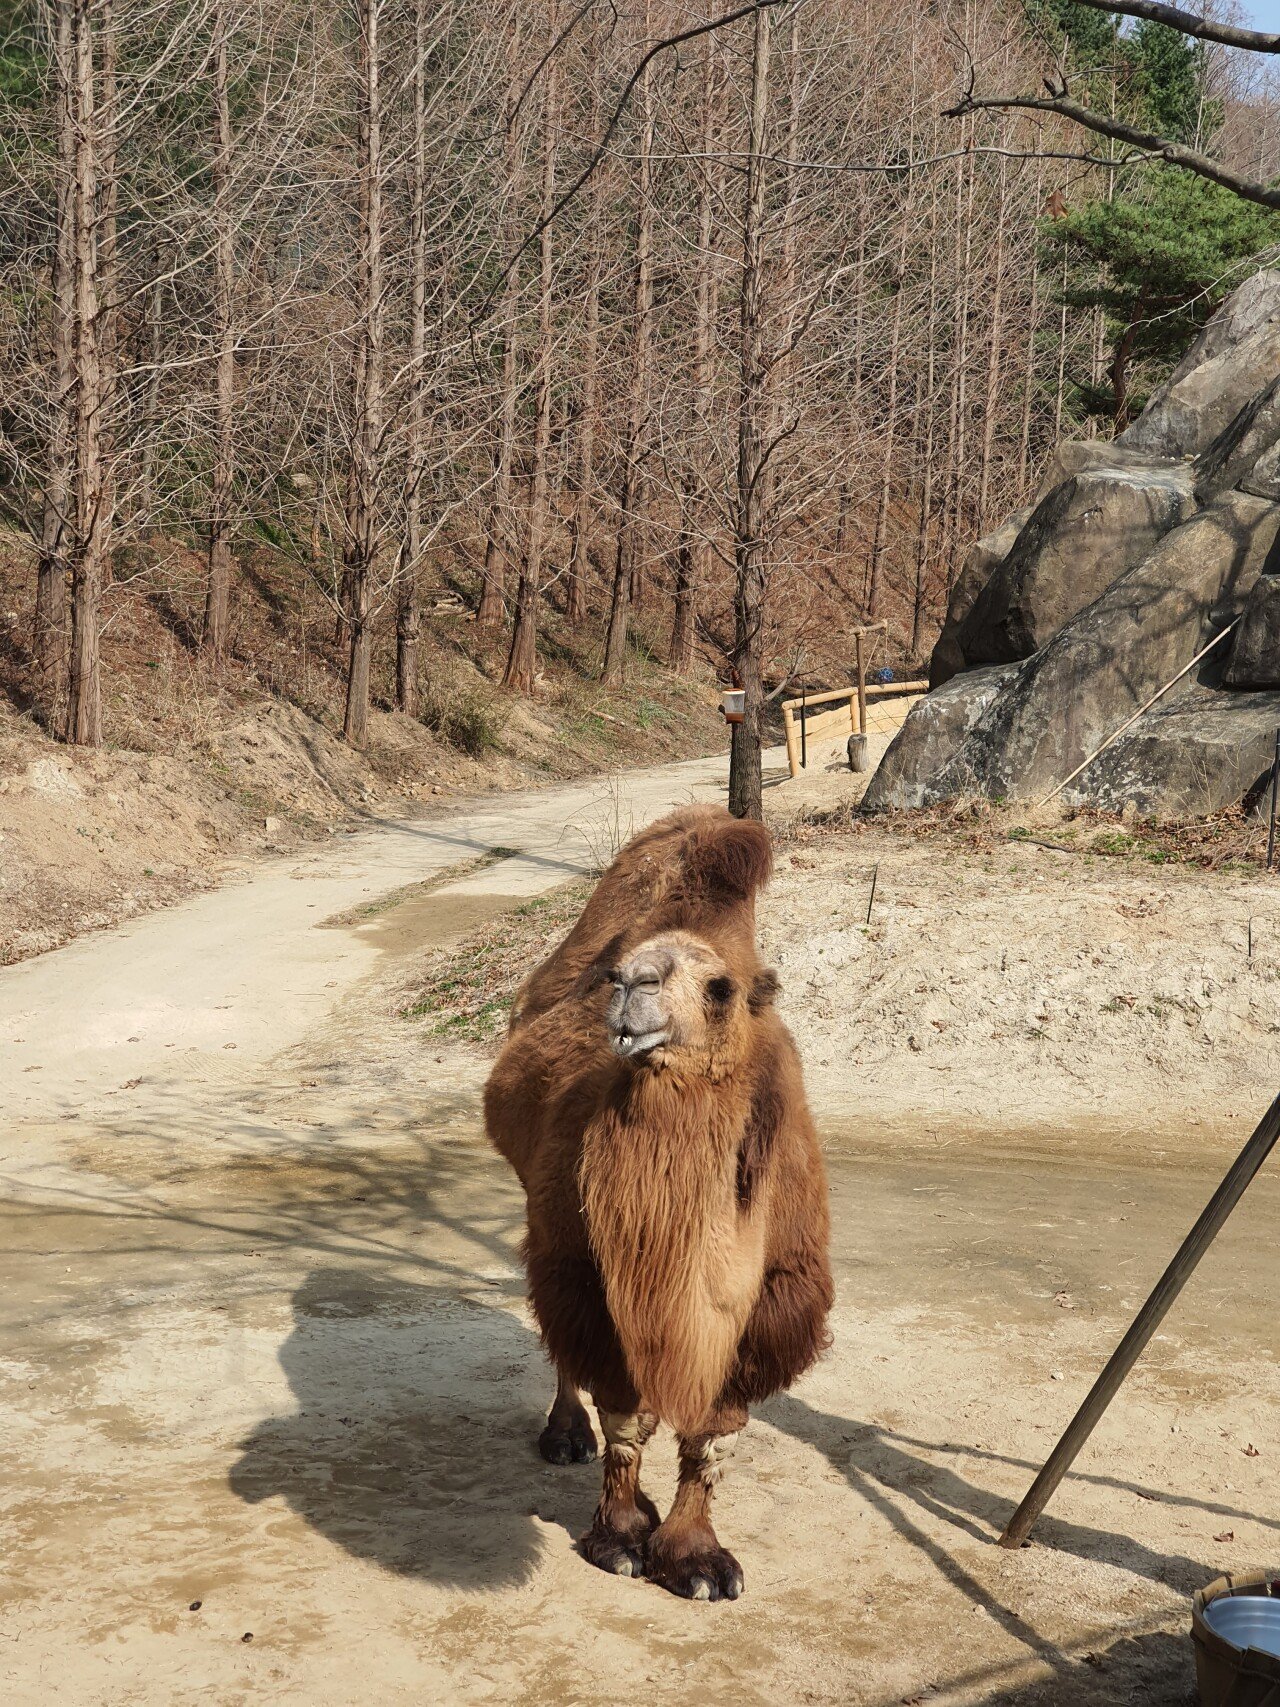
847	713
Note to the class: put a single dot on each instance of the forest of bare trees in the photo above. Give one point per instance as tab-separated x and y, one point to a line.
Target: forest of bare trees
749	336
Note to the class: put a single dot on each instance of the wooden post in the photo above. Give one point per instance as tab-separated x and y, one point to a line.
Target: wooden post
1145	1323
1275	779
793	746
804	747
862	683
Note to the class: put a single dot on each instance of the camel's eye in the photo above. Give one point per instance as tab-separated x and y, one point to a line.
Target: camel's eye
719	991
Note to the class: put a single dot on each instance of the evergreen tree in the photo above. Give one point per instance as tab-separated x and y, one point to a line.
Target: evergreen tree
1161	249
1158	260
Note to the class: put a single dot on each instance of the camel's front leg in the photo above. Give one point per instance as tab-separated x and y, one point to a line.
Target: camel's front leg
684	1554
568	1437
625	1516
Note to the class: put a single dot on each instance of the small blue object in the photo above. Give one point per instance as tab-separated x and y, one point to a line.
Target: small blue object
884	675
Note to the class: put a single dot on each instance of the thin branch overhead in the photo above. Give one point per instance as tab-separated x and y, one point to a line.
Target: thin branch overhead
1160	147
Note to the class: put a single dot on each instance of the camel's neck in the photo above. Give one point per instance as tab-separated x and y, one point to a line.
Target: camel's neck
680	1263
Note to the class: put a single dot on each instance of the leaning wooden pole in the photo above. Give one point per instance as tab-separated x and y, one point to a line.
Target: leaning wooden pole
1148	1319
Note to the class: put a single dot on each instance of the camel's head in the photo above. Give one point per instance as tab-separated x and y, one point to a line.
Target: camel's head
675	1001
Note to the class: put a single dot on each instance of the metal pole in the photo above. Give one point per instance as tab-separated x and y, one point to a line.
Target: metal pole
804	736
1275	778
1145	1324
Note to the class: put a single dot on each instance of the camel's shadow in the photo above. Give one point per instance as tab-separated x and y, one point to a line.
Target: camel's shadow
412	1444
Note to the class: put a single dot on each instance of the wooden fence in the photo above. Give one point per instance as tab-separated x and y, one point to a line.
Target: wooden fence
847	716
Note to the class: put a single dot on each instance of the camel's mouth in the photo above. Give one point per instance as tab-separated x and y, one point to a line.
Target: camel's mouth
632	1045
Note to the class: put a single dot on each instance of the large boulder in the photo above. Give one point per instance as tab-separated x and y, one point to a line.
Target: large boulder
930	758
984	558
1255	651
1090	529
1234	357
1199	753
1263	480
1085	456
1018	732
1114	656
1234	455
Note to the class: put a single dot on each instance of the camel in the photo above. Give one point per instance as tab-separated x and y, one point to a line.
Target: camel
651	1101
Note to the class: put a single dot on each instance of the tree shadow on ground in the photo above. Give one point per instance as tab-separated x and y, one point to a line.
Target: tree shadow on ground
1155	1670
406	1448
909	1492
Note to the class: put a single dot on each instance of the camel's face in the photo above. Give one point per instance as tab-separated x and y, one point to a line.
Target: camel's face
673	997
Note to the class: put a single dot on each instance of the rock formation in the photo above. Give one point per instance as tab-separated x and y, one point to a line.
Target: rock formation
1067	620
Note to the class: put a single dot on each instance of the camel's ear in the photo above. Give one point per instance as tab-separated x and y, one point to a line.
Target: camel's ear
764	987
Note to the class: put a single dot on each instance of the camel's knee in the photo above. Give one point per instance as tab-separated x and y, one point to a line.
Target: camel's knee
710	1456
627	1433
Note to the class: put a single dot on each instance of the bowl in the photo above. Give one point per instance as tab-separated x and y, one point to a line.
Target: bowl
1246	1621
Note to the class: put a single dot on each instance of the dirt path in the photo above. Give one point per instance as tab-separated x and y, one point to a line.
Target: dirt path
263	1346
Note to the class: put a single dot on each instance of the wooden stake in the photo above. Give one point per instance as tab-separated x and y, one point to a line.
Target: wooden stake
862	684
1145	1323
1275	778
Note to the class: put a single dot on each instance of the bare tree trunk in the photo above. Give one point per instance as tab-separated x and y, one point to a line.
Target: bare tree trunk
745	782
633	496
108	245
217	592
694	547
925	527
995	351
367	448
408	604
1029	359
151	412
91	516
584	474
522	663
875	579
49	640
498	545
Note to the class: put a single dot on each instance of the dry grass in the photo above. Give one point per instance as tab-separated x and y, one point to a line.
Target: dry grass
1233	840
465	991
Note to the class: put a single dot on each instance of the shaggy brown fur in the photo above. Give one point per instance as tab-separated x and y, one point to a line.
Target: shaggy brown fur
651	1101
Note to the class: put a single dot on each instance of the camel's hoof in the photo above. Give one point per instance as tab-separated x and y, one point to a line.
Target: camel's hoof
712	1574
573	1445
609	1551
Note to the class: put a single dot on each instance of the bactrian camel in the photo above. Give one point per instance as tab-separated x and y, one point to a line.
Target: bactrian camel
651	1101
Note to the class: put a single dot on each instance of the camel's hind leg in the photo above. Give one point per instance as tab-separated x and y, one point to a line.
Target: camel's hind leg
684	1554
568	1437
625	1516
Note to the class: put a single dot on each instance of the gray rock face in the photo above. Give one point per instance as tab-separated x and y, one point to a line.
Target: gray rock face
1115	583
1019	731
1093	527
1263	480
1255	649
1233	456
1198	754
1151	622
929	758
1084	456
983	559
1236	354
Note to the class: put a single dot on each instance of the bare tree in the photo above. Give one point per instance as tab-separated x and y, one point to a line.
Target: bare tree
367	437
633	492
522	661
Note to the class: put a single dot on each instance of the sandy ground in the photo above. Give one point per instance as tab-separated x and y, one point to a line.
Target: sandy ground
265	1349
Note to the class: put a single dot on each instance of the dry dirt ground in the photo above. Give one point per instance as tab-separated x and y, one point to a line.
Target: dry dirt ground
270	1392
